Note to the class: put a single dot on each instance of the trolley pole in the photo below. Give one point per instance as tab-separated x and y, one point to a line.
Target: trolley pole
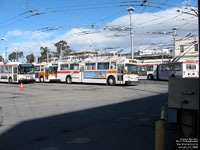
131	9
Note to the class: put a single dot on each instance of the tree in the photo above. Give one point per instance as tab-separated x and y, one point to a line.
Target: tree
1	59
14	56
30	58
44	52
65	49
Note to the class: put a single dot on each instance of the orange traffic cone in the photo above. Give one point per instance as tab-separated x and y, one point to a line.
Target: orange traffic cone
21	87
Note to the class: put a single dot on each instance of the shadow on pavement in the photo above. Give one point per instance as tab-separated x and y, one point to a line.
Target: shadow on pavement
128	125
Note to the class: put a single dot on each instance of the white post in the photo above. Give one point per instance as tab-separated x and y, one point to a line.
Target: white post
3	56
174	39
131	9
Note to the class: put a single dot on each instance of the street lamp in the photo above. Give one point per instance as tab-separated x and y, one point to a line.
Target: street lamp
2	39
131	9
174	39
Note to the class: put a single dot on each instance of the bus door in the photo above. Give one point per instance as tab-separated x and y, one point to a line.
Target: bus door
15	72
120	69
46	75
81	75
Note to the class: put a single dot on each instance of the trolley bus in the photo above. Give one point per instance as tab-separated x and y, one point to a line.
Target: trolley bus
178	70
17	72
46	72
110	71
147	71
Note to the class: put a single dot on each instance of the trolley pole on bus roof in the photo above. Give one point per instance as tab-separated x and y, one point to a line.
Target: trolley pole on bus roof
131	9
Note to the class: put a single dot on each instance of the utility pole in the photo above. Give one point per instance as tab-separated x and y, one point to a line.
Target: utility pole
16	55
47	55
61	44
3	55
131	9
174	39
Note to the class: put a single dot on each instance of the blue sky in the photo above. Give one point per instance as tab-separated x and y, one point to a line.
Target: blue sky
27	26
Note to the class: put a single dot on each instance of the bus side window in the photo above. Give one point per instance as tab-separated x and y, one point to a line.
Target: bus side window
76	66
90	66
6	69
113	66
14	69
149	68
1	69
102	66
10	69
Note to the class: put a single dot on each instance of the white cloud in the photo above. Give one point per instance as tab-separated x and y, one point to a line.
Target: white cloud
16	32
82	38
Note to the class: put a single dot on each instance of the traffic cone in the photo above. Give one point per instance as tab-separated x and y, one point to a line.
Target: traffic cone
21	87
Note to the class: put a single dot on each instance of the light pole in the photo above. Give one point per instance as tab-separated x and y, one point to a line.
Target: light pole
2	39
174	38
131	9
61	44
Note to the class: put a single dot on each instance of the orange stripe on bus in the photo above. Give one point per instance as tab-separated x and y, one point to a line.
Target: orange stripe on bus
112	71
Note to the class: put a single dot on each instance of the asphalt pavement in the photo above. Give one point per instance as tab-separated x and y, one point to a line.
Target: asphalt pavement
54	116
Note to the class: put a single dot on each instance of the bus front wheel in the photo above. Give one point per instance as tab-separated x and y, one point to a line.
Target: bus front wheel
111	81
150	77
68	80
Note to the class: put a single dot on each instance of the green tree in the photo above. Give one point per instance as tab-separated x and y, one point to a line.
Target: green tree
1	59
30	58
44	52
15	56
65	49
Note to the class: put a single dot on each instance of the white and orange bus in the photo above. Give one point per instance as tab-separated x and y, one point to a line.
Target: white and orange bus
17	72
110	71
178	70
46	72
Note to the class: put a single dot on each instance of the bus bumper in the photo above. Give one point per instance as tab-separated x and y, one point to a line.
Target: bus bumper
131	82
26	80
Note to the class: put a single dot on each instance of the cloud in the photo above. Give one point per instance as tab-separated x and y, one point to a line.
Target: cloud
145	26
14	33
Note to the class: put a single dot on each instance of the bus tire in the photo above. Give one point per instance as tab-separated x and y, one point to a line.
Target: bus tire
41	79
111	81
10	80
150	77
68	79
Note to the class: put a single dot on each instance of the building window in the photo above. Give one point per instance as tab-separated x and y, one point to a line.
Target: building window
196	47
181	48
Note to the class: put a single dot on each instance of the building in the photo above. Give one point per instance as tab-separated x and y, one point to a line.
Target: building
187	49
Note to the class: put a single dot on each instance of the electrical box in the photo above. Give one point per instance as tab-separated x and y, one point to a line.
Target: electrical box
183	93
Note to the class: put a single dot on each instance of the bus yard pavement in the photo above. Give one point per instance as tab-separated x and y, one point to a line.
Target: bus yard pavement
57	116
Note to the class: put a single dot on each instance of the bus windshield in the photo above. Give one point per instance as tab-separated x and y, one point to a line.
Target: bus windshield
26	69
130	68
53	70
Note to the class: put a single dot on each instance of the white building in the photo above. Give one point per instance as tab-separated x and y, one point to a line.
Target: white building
187	49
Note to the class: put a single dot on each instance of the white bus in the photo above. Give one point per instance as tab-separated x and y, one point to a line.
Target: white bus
147	71
46	72
178	70
17	72
110	71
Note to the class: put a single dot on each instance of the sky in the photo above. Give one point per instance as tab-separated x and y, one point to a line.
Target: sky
101	25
